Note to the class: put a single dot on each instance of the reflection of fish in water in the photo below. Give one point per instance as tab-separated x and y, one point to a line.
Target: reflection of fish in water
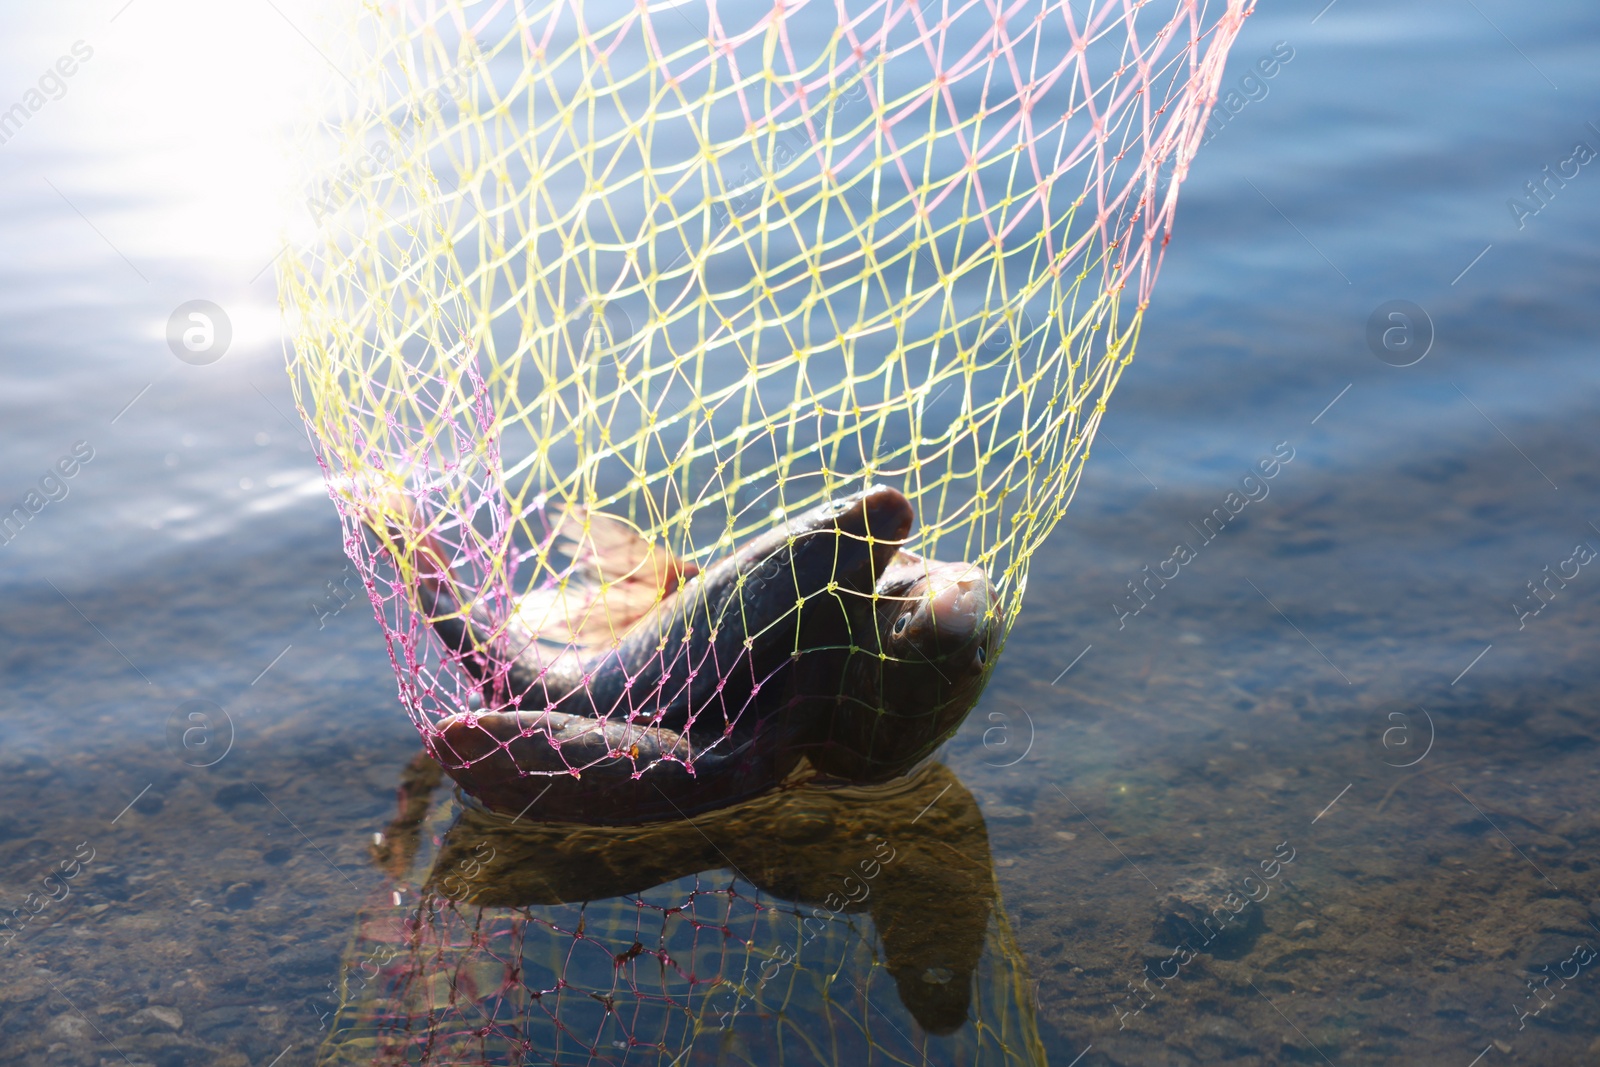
820	638
859	926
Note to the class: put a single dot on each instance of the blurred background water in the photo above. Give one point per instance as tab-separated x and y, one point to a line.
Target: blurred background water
1353	671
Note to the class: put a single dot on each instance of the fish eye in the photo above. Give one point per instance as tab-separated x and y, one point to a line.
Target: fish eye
983	655
901	623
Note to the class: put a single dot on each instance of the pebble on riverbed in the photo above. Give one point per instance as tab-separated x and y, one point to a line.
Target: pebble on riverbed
156	1017
1198	912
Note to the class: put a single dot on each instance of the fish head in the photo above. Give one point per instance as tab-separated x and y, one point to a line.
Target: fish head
938	612
937	626
913	676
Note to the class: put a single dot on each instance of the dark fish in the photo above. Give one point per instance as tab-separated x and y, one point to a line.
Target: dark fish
707	685
819	639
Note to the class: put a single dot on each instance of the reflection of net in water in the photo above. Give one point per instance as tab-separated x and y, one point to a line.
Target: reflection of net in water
689	264
895	954
683	974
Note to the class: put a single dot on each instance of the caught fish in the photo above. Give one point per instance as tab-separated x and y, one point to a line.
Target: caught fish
820	638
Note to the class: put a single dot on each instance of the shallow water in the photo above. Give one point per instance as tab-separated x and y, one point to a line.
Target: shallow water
1339	675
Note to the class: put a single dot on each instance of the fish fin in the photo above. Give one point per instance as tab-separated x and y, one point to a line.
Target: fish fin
615	579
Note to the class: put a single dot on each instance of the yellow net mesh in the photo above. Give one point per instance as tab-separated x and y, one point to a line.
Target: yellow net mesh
698	266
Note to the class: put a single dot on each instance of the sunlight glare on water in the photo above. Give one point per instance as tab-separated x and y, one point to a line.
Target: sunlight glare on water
198	103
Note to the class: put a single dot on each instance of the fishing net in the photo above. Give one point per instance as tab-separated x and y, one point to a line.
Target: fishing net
694	267
869	935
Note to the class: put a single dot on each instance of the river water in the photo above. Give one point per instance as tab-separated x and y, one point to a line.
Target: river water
1349	694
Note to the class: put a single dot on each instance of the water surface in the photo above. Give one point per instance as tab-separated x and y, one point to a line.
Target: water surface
1351	672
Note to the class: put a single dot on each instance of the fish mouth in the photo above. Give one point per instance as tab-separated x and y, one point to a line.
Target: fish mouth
958	610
